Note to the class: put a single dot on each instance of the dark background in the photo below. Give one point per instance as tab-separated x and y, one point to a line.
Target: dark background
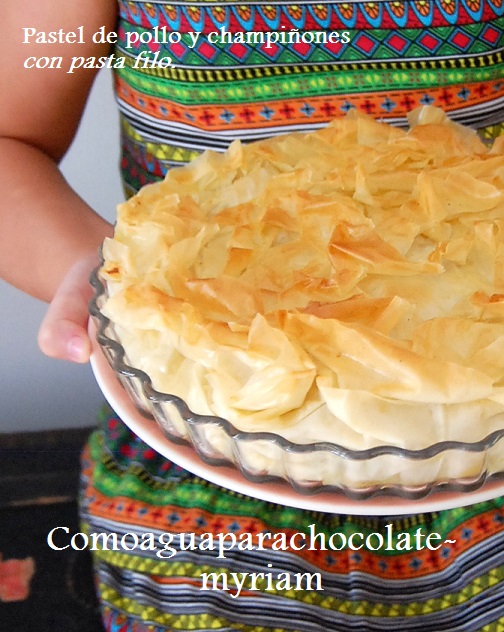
39	481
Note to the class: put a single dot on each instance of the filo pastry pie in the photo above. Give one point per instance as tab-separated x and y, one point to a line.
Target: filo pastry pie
344	286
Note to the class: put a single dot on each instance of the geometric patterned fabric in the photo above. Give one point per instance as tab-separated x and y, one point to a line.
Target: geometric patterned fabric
250	71
129	489
227	80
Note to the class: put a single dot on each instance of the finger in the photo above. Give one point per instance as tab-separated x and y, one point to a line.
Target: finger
63	332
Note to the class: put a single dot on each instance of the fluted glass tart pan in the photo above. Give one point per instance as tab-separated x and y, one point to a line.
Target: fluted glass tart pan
321	476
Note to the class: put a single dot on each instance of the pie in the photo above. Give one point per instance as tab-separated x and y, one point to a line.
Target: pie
342	287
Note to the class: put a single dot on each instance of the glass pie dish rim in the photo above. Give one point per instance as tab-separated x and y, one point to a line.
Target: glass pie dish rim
115	355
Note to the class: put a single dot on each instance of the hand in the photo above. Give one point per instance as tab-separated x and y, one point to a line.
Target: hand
63	333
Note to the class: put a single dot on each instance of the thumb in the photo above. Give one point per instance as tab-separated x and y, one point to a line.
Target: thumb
63	332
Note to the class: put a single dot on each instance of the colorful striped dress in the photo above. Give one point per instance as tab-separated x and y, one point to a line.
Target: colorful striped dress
249	71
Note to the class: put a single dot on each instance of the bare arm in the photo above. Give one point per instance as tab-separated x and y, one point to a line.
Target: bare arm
45	228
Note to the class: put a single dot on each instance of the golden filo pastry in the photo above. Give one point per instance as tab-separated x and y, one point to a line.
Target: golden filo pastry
344	286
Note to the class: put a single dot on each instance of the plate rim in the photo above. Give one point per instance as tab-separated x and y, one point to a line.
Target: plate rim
278	492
